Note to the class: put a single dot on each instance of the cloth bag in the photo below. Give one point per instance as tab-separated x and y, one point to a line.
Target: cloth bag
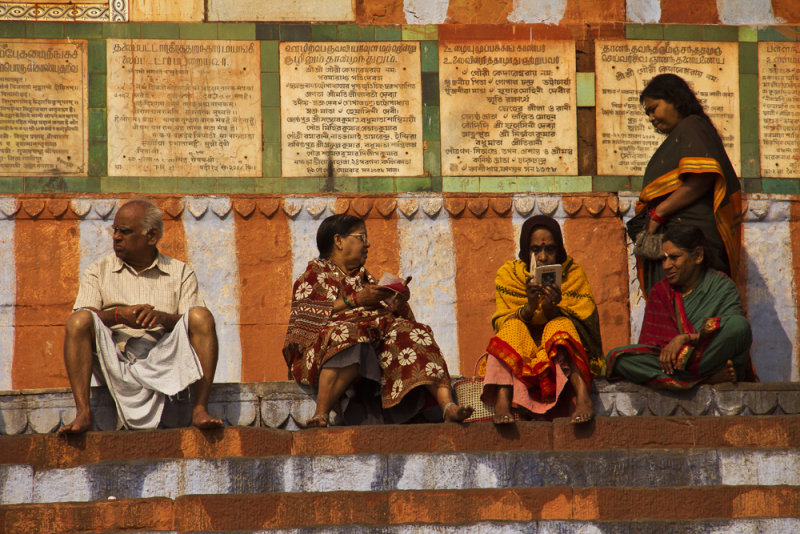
468	393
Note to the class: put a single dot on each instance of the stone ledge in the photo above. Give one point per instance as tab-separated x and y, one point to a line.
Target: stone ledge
283	405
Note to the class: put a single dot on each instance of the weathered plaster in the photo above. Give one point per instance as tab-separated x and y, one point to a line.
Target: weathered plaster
643	11
425	11
538	11
736	12
8	292
636	299
304	229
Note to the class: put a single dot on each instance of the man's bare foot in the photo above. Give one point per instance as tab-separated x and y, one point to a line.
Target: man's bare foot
203	420
79	425
502	407
455	413
318	421
584	408
726	374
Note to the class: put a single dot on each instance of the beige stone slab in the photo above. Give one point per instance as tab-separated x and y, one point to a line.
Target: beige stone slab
166	10
282	10
183	108
356	107
65	10
625	138
44	125
779	109
508	108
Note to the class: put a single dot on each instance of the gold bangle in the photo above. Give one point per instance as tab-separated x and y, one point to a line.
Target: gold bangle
521	315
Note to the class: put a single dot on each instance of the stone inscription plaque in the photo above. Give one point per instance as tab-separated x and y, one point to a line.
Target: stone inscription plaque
43	108
184	108
625	138
351	109
282	10
508	108
779	109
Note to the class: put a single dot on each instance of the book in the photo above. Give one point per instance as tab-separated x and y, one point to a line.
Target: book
393	282
548	275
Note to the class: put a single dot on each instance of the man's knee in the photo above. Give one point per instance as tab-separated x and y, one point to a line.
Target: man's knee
80	323
201	321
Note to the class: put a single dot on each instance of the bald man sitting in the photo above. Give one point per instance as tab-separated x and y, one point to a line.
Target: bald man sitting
139	324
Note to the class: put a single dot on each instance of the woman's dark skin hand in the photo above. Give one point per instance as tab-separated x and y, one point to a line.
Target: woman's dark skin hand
669	353
371	296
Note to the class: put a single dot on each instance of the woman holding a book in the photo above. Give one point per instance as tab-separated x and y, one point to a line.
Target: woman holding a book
356	343
547	335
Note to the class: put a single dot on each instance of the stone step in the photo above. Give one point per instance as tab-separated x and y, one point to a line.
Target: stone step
770	507
284	404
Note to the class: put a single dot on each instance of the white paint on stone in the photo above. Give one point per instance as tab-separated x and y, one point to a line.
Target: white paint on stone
538	11
343	473
304	235
8	296
435	472
636	299
760	468
212	253
770	295
485	474
16	484
206	477
752	12
62	485
166	480
643	11
425	11
427	252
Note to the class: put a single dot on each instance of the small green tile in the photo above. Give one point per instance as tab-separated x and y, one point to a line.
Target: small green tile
119	184
198	30
431	158
585	90
461	184
12	184
45	30
98	159
197	185
83	30
430	56
748	58
158	184
238	31
436	184
752	185
324	32
44	184
748	125
682	32
354	32
12	29
342	184
161	30
748	91
271	160
721	33
270	89
498	184
611	184
644	31
430	88
573	184
388	33
430	123
269	185
751	164
268	32
295	32
748	34
412	184
82	184
376	184
301	185
236	185
781	186
97	124
270	56
773	33
429	32
536	184
97	57
271	118
97	90
122	30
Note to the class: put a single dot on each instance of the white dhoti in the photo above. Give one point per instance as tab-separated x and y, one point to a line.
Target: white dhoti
140	377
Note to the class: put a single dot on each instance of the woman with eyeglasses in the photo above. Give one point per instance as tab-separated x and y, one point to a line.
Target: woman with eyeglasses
357	344
546	336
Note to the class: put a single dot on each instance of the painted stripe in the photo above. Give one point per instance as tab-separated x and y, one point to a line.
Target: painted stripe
636	299
770	294
211	250
304	231
8	292
427	252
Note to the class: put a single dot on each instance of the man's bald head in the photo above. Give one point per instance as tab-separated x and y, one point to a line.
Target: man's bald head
150	216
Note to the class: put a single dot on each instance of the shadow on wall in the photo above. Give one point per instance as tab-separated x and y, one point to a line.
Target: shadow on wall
772	348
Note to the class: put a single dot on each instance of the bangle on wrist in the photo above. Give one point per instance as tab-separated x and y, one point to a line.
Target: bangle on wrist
116	315
347	302
657	218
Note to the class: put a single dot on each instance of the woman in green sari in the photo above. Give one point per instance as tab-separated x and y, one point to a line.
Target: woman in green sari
694	328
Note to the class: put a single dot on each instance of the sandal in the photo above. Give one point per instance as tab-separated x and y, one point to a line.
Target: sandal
318	421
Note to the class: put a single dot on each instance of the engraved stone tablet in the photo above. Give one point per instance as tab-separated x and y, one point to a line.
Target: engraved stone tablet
508	108
65	10
779	109
43	108
183	108
353	107
625	138
282	10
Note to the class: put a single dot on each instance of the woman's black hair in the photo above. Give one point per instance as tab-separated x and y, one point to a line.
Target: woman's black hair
531	225
341	224
689	238
674	89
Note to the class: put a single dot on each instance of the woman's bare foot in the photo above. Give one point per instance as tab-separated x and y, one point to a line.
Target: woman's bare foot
726	374
79	425
203	420
584	408
318	421
502	407
455	413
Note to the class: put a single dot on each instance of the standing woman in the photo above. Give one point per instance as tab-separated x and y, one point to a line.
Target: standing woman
689	180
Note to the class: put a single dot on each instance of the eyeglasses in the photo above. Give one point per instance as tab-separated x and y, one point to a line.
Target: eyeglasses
122	230
362	237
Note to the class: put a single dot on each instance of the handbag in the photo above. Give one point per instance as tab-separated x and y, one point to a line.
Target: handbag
648	246
468	393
